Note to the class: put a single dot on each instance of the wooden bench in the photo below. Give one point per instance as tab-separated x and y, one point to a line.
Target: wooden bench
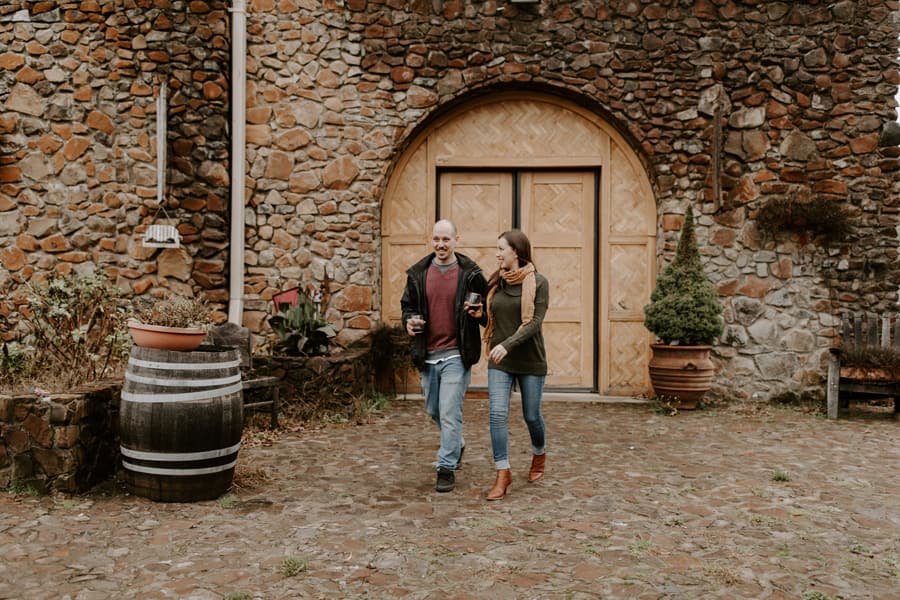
231	334
860	333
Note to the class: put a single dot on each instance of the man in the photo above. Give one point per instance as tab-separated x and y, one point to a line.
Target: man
450	342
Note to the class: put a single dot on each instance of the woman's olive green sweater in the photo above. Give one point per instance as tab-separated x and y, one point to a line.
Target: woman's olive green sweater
525	346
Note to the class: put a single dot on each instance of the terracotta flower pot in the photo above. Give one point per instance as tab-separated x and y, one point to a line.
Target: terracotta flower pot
182	339
681	374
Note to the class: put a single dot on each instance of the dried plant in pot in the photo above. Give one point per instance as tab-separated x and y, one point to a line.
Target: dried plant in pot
170	324
686	316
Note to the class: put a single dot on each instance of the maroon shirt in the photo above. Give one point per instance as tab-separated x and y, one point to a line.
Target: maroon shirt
440	290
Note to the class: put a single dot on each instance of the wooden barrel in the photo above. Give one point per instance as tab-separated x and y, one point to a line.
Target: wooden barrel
180	422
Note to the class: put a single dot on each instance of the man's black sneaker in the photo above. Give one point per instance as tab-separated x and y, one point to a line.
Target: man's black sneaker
445	480
459	462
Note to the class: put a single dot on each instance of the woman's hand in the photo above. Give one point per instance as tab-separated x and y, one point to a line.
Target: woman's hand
498	353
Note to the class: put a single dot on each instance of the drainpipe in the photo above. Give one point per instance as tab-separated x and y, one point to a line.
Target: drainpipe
238	159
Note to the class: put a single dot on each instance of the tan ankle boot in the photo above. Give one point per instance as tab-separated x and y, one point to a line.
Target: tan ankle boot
504	478
537	467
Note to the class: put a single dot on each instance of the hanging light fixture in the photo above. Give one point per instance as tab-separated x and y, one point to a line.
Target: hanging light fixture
161	236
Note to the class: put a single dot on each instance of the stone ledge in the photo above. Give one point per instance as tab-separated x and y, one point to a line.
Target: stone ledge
60	442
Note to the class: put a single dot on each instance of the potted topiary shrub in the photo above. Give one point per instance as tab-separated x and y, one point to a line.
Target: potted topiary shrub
170	324
686	316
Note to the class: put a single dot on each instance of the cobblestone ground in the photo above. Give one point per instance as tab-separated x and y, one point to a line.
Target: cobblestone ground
724	503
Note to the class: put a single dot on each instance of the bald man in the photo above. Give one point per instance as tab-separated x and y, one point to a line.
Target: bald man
449	343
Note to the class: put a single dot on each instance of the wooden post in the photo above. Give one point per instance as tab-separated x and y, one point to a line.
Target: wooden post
834	376
874	330
717	159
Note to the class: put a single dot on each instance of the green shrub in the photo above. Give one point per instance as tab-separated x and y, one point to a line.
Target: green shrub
779	475
15	362
684	307
292	566
300	329
815	595
22	489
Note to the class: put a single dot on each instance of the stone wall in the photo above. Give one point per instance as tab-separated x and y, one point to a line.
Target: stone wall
317	387
803	92
78	82
60	442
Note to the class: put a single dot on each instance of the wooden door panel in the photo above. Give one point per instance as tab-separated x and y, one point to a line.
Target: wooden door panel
565	355
400	257
557	211
480	205
623	366
630	213
563	268
628	283
557	214
409	211
628	358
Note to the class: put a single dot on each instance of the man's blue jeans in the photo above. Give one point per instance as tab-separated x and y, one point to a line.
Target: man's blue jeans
444	385
532	390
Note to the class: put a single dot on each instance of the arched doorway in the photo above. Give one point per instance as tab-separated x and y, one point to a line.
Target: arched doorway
569	180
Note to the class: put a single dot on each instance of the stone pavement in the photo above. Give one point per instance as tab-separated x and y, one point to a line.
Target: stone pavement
734	502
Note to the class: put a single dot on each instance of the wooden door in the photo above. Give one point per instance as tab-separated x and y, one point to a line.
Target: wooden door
556	212
480	204
557	215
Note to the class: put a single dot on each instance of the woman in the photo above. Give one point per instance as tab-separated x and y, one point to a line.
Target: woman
517	301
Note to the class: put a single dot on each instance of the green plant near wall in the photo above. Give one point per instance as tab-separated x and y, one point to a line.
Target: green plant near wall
818	217
300	329
684	307
15	362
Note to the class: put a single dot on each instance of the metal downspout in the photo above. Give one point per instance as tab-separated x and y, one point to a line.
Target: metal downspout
238	159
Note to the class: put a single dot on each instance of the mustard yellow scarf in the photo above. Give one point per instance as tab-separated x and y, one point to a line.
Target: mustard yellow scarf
523	275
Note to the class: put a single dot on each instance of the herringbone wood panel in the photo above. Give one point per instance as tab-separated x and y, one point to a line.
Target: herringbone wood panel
630	211
565	358
400	258
480	204
523	128
564	268
628	357
558	209
628	291
408	210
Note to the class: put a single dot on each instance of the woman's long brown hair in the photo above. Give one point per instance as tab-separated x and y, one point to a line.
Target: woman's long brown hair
520	243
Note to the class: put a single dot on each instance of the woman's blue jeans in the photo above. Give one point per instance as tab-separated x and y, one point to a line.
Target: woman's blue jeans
499	389
444	385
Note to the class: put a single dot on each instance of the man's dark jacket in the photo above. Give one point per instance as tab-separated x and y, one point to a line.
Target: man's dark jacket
468	332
